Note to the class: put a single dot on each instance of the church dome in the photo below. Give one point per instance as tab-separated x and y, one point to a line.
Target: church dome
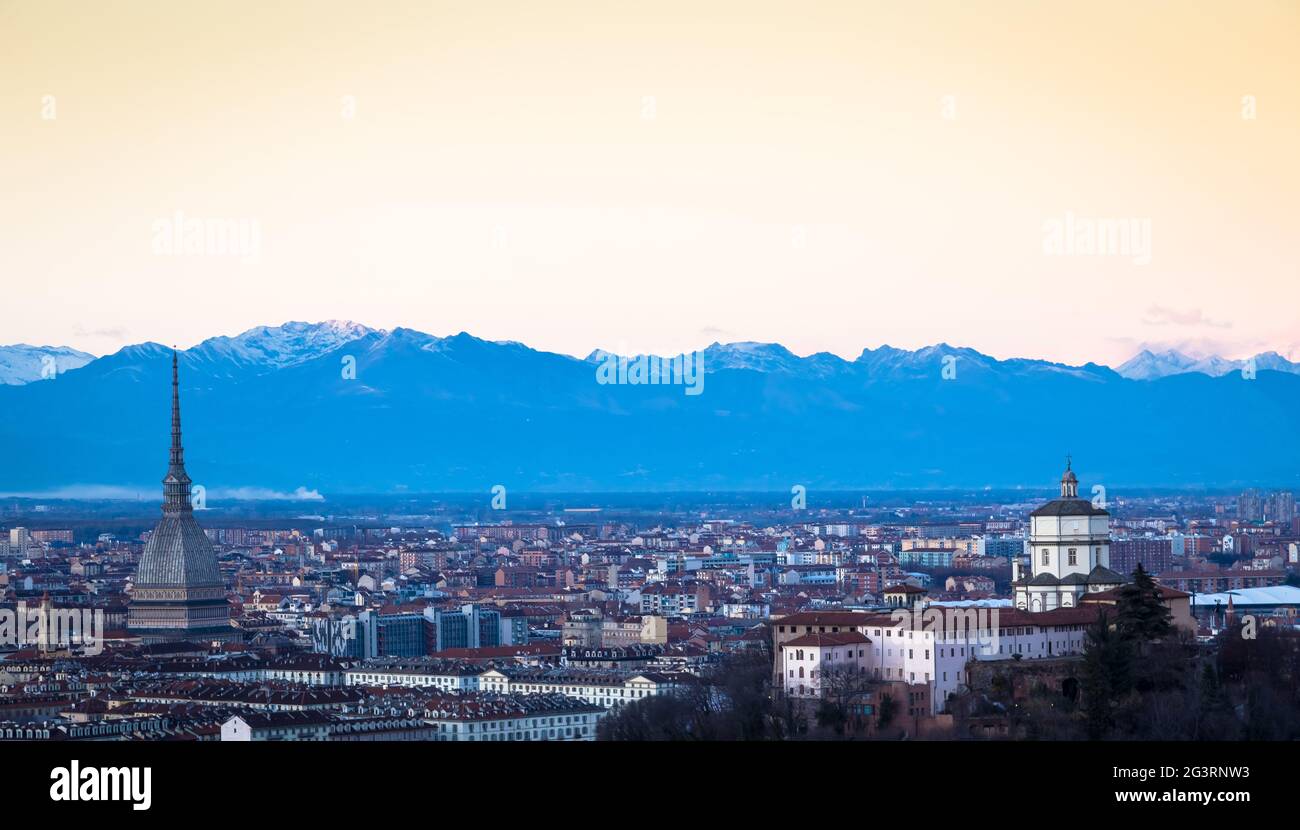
1069	504
178	555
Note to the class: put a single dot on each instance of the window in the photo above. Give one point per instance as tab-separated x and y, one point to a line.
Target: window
1047	557
1074	556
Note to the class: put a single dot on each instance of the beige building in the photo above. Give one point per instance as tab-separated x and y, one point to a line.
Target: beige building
589	628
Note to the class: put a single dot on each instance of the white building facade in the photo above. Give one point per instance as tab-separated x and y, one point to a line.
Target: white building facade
1069	552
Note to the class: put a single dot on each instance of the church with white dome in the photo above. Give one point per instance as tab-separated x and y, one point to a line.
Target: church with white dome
1069	552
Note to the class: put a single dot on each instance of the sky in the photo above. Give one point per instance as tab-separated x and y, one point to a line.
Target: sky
655	177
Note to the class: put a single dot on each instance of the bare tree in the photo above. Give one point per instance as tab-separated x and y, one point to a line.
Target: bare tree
844	691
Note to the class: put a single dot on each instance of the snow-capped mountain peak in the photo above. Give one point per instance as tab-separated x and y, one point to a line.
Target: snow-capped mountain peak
21	363
276	347
1149	365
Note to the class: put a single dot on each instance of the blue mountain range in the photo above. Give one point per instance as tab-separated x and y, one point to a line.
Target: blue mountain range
341	408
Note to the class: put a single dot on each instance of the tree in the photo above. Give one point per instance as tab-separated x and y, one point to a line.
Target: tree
1263	675
667	717
843	688
744	680
1044	715
1140	613
888	709
1216	720
729	702
1107	675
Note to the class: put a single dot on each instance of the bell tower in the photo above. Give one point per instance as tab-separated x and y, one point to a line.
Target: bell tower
1069	481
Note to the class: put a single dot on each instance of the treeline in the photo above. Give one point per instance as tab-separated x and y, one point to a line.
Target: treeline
731	702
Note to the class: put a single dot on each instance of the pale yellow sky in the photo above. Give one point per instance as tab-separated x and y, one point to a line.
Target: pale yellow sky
653	177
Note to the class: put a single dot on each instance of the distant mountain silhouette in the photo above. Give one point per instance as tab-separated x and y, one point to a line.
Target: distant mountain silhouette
272	408
1148	365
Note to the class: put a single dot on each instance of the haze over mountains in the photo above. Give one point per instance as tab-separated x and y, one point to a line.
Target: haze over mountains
275	410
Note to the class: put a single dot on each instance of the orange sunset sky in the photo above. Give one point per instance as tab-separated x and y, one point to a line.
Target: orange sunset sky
654	177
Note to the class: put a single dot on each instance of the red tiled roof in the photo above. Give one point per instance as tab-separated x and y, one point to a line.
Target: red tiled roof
846	618
818	640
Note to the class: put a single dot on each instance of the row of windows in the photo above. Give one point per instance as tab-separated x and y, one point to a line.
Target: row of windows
888	674
1072	556
543	735
830	655
501	726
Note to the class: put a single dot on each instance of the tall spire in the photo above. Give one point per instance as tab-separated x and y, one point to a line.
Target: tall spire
178	452
176	484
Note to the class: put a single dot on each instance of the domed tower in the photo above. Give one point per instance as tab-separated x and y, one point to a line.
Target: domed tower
178	593
1069	482
1069	550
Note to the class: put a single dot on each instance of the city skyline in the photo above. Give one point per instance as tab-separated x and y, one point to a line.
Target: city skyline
910	381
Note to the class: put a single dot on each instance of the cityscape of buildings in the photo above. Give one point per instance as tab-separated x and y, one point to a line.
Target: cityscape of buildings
542	626
904	393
